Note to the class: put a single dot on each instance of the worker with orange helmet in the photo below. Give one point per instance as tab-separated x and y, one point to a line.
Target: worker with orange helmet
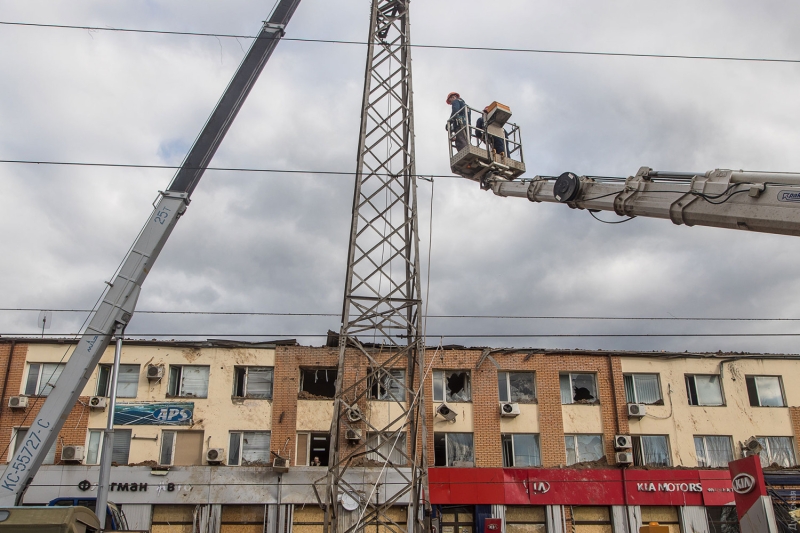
459	121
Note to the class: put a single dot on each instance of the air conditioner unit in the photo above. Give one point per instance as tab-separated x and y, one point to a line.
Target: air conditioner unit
752	447
637	410
215	456
445	412
155	372
72	453
353	435
624	458
18	402
280	465
98	402
509	409
354	414
622	442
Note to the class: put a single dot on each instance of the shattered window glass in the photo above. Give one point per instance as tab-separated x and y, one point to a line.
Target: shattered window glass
389	385
578	388
317	383
583	448
451	386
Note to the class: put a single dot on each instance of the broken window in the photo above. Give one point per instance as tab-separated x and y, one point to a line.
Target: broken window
516	386
383	447
188	380
252	382
454	449
578	388
249	448
583	448
388	384
451	386
703	390
317	383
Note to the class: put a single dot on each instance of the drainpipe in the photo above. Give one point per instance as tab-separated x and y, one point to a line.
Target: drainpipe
5	377
613	392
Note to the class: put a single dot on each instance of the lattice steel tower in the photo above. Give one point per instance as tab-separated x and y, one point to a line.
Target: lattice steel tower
381	350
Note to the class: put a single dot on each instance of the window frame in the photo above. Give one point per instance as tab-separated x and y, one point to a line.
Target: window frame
639	457
440	375
633	375
12	447
178	389
706	458
39	374
309	437
447	435
575	436
765	442
173	438
301	381
246	369
573	401
758	395
689	392
100	444
387	438
509	396
240	460
393	381
508	439
107	368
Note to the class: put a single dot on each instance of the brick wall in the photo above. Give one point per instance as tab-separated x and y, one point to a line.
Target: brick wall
794	415
74	430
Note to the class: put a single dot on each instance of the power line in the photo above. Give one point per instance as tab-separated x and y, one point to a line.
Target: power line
431	46
176	167
504	317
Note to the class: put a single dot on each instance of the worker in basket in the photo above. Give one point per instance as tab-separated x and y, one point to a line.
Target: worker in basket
495	143
459	120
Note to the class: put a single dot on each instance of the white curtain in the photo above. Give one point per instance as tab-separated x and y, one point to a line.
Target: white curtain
194	381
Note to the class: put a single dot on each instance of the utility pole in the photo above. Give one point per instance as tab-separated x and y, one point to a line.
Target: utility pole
381	348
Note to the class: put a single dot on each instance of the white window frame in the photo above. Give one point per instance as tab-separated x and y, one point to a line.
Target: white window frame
706	459
440	375
641	460
179	393
508	386
510	437
633	376
397	380
38	389
765	442
172	435
574	437
99	445
698	404
247	370
572	400
758	393
12	447
447	447
389	440
107	390
241	434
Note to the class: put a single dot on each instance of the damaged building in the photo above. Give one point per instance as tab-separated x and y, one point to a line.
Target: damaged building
544	441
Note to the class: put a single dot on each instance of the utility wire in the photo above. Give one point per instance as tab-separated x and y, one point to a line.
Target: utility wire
505	317
432	46
230	169
434	335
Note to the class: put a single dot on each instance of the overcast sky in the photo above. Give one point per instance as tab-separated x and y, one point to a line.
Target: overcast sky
277	243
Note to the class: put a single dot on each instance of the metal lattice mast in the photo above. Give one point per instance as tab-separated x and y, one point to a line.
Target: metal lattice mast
381	351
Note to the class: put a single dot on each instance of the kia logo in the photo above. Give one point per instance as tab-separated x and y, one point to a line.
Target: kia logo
743	483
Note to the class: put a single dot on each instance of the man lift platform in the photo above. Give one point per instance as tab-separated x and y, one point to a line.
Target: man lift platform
492	147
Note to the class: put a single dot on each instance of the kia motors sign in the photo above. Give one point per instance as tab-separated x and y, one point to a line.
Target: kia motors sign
743	483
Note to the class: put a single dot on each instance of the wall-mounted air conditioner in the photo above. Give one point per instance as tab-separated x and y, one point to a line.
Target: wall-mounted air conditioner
72	453
622	442
155	372
353	435
98	402
445	412
624	458
636	410
18	402
215	456
509	409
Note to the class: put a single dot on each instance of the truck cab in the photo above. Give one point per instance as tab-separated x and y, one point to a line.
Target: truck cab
115	518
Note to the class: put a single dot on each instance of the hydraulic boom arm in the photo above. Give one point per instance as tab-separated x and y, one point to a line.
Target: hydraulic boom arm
756	201
119	302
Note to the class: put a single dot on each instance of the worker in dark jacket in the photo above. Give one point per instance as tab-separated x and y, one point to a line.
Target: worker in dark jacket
459	120
498	144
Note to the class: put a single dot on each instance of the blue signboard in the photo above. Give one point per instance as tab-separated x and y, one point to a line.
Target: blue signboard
154	414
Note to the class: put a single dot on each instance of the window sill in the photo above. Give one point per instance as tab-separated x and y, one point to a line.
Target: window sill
583	402
312	398
770	406
698	405
242	398
170	397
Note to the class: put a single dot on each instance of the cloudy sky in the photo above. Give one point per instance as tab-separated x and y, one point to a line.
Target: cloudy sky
277	243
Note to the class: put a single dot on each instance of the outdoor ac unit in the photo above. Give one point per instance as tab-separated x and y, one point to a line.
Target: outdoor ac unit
98	402
215	456
752	447
636	410
155	372
445	412
72	453
622	442
354	414
624	458
353	435
280	465
18	402
509	409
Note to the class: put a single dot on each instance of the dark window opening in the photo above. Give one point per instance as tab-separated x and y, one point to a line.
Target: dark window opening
451	386
317	383
319	447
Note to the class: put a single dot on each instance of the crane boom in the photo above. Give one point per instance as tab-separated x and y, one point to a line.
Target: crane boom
119	301
756	201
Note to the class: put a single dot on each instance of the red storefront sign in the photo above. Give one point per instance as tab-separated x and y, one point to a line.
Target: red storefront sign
544	486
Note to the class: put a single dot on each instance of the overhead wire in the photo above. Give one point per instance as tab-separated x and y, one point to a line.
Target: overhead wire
428	46
427	335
